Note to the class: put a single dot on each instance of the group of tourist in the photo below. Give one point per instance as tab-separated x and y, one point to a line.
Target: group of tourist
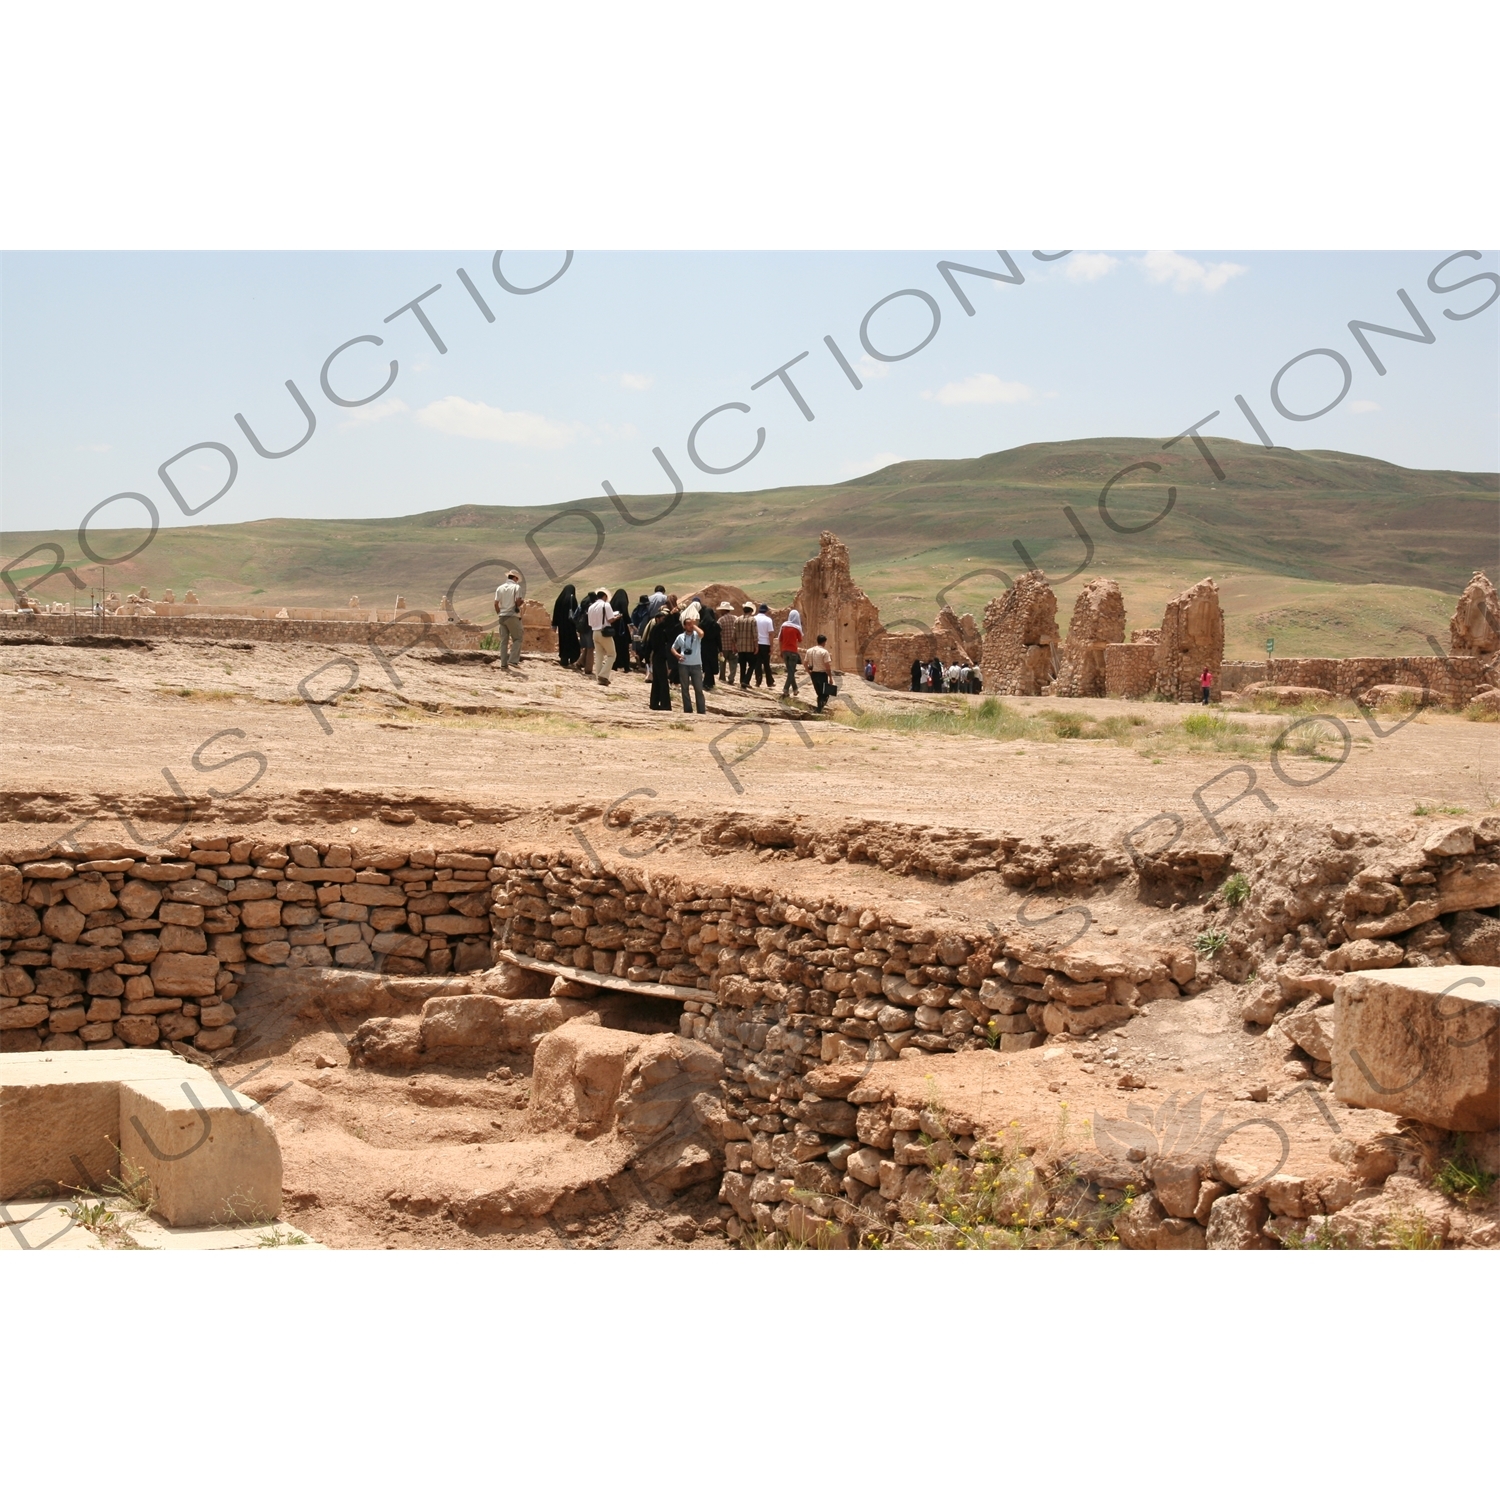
687	644
933	677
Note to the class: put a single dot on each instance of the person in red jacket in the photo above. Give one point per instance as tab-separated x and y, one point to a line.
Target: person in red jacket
790	641
1206	682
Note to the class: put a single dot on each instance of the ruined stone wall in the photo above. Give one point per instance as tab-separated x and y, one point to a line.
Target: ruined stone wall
1098	622
1452	680
452	635
952	638
1237	675
1192	638
832	604
1130	670
1020	632
1474	629
115	947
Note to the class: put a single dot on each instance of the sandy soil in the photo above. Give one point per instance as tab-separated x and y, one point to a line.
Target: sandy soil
105	724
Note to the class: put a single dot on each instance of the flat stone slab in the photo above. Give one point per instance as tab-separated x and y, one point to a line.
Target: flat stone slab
1421	1043
605	981
151	1235
33	1225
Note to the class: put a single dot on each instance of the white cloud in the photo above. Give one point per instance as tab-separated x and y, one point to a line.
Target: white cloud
872	369
1185	273
473	419
1362	406
981	390
636	382
870	465
623	431
362	416
1088	265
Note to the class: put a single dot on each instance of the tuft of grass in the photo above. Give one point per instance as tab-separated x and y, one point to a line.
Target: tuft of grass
1319	1235
1410	1231
1210	941
1460	1176
279	1237
1482	713
1236	890
1437	809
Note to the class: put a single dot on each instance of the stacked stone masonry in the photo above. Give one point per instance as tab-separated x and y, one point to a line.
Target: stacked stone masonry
1020	638
117	947
1098	622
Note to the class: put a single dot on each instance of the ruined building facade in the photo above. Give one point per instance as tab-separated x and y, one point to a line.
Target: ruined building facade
1098	622
1020	634
832	604
1192	640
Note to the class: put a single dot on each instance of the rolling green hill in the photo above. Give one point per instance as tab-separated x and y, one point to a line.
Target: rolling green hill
1332	553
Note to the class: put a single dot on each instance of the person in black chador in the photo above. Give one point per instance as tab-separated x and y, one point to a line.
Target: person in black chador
708	623
562	622
661	630
916	677
620	603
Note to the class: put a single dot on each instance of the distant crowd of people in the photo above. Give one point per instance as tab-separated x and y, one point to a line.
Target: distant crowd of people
694	647
933	677
690	646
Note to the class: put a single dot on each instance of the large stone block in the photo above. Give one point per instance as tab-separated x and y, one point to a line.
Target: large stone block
204	1155
186	975
1421	1043
60	1115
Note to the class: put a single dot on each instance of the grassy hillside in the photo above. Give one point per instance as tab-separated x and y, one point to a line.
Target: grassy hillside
1332	553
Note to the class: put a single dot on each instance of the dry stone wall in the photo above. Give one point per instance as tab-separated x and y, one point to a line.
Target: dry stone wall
1130	670
118	947
1192	640
1451	680
1098	622
454	635
1020	634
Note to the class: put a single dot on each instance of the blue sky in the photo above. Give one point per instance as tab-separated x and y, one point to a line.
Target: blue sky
114	362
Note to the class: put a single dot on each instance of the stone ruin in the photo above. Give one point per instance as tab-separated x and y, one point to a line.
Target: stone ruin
783	995
1020	635
832	604
1192	639
1098	622
1474	629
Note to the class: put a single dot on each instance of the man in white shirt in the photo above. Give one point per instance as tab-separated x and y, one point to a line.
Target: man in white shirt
508	619
765	629
601	620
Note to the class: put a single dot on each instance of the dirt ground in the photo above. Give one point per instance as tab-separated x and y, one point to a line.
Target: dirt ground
418	749
88	726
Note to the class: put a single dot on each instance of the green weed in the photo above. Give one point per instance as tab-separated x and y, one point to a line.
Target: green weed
1410	1231
1319	1235
278	1237
1460	1176
1210	941
1235	890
